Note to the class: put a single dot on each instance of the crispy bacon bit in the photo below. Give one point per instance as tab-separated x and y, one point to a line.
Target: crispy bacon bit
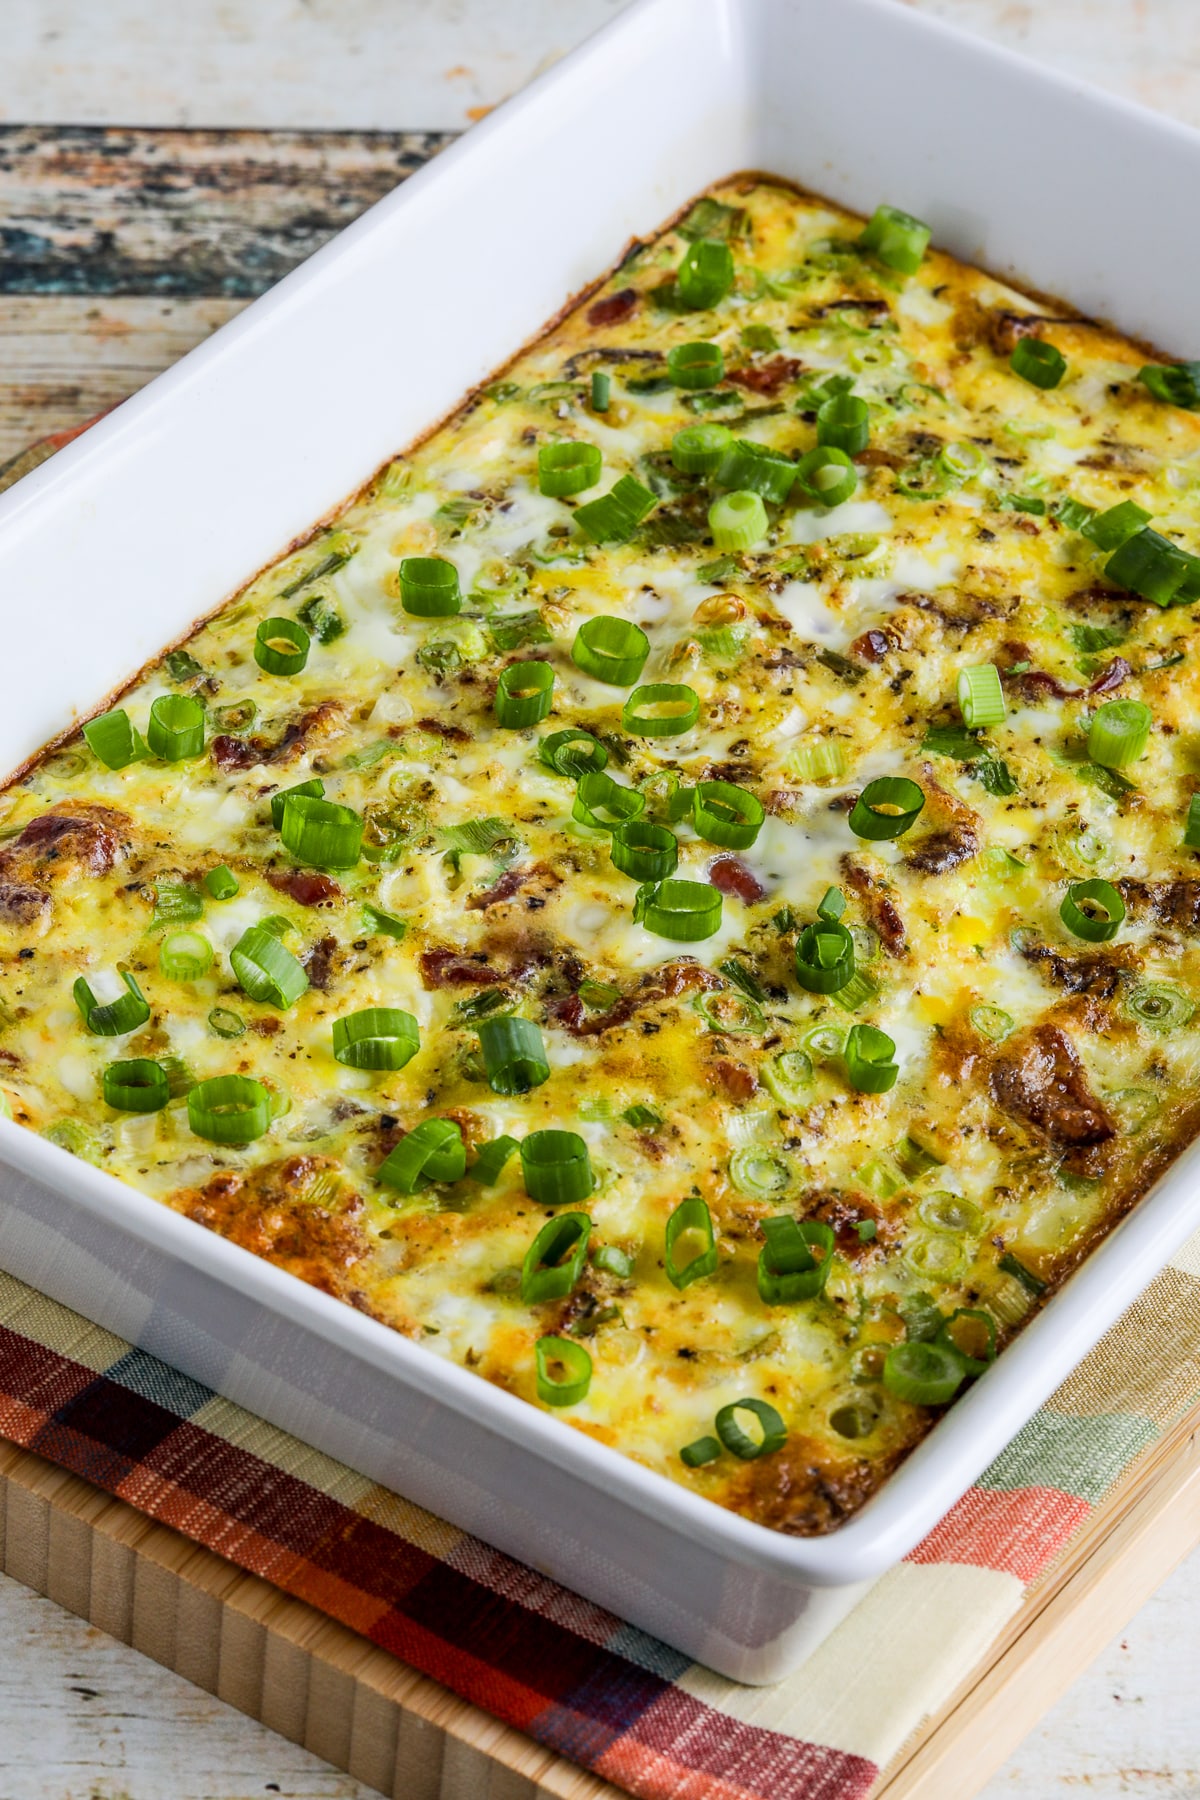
569	1011
767	378
323	962
871	646
683	976
452	734
1117	671
510	884
317	724
875	457
305	886
730	875
265	1027
878	905
21	904
456	968
1041	1080
734	1079
1035	684
844	1214
613	308
951	843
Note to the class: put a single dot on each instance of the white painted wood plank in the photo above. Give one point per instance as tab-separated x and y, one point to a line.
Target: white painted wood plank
424	64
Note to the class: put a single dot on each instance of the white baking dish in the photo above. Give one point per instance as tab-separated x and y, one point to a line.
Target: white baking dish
112	549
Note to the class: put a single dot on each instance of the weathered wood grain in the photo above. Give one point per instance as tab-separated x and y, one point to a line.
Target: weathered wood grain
87	210
64	360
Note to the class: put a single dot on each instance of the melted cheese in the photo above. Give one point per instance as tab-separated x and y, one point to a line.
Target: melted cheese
944	579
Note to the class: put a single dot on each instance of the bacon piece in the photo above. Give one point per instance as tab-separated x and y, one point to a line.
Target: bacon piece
844	1214
323	963
683	976
1097	974
1117	671
954	842
613	308
1041	1080
739	1083
878	905
729	875
305	886
317	724
767	378
511	883
1175	903
871	646
1035	684
569	1011
452	734
456	968
22	904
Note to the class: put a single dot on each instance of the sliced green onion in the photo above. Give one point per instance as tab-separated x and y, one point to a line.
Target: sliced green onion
602	803
176	728
378	1037
827	476
1161	1007
1151	565
175	903
726	814
185	956
322	618
662	709
513	1055
564	1371
1191	827
572	752
938	1257
1119	732
382	924
567	468
698	449
795	1261
644	851
281	646
556	1167
615	517
112	1018
431	1151
690	1216
321	833
819	760
554	1261
870	1059
971	1334
1109	530
226	1023
524	695
221	883
759	1173
789	1077
1040	363
962	460
112	738
896	238
705	275
857	991
924	1374
754	468
902	799
702	1450
684	911
1176	383
265	970
229	1109
429	587
312	789
981	697
832	905
824	957
1092	910
943	1211
139	1086
845	422
601	390
737	520
739	1441
698	365
490	1163
614	1261
991	1022
611	650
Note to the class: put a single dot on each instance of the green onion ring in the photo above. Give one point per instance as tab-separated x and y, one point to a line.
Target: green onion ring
378	1037
893	791
229	1109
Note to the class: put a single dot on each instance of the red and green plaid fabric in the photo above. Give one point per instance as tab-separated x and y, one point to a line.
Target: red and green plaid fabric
571	1675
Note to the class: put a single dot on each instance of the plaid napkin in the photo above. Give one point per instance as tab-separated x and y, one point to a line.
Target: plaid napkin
571	1675
568	1673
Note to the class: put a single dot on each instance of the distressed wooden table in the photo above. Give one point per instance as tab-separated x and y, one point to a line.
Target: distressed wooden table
121	246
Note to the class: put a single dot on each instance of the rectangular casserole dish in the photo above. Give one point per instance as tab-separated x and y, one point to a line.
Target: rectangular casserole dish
221	459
